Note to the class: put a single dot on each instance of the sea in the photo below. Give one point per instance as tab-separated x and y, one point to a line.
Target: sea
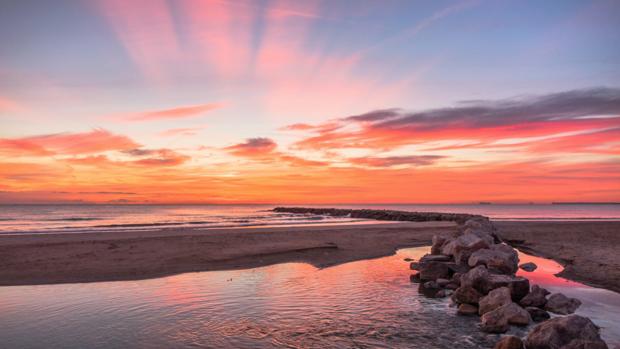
98	218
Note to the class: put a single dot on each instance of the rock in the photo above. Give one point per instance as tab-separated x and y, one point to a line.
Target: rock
408	259
528	266
430	292
536	298
442	282
456	278
431	284
451	286
495	299
494	322
497	321
467	309
519	286
439	240
434	271
571	331
466	294
443	293
435	258
475	278
560	304
484	235
484	281
509	342
538	314
584	344
463	246
498	258
415	278
415	266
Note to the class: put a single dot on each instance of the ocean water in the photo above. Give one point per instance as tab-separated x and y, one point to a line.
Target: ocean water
50	218
362	304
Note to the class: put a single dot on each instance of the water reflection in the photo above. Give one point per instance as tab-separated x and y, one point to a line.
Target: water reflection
365	304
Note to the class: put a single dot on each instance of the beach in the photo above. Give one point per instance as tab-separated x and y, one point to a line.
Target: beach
71	257
587	250
127	255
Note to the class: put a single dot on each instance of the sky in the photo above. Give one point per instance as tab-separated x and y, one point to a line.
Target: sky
265	101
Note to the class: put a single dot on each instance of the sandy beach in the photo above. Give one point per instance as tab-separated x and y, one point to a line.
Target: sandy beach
587	250
127	255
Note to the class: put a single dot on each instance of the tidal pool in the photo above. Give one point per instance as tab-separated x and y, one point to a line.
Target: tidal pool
363	304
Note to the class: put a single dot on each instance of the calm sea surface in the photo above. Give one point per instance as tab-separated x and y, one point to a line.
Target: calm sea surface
49	218
363	304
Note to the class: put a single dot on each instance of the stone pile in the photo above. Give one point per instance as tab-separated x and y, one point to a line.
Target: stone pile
478	271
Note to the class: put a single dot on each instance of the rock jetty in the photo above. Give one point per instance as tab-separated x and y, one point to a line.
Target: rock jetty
381	215
477	271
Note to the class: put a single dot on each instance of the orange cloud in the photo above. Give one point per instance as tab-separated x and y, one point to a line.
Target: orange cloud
97	140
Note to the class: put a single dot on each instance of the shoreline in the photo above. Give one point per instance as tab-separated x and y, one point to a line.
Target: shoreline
586	250
134	255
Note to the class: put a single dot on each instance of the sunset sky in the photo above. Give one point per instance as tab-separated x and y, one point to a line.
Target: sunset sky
195	101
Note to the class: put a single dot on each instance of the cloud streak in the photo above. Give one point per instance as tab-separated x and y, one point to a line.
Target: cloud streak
169	114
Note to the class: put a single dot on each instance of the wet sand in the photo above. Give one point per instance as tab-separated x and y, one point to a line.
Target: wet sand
589	251
28	259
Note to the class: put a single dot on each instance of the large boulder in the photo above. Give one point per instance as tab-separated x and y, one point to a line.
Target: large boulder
495	299
498	258
483	234
560	304
463	246
466	294
536	298
498	320
509	342
481	223
565	332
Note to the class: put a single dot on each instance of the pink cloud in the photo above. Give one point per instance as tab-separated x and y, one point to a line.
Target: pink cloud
172	113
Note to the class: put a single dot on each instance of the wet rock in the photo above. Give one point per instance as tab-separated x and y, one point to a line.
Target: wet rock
560	304
463	246
528	266
536	298
571	331
494	322
435	258
538	314
443	293
456	278
495	299
408	259
467	309
430	292
466	294
498	258
415	278
509	342
434	271
415	266
498	320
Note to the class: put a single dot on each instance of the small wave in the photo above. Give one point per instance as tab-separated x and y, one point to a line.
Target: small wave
7	219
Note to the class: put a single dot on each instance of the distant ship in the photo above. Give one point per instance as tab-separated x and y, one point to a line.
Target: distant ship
484	203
